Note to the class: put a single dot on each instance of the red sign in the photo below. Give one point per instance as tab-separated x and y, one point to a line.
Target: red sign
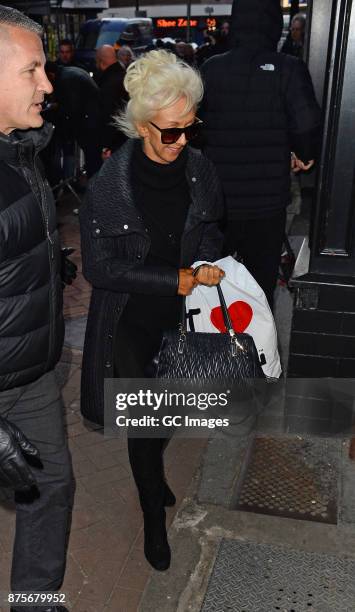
211	23
180	22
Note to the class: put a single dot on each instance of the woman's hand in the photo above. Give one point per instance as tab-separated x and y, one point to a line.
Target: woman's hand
187	281
209	275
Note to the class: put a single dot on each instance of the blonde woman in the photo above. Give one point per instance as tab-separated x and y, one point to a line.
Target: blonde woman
151	212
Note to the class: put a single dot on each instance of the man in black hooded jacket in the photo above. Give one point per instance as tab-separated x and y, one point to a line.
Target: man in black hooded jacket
113	96
259	106
78	116
37	467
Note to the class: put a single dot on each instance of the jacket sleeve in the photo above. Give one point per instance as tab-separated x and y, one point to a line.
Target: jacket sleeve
105	270
211	244
302	110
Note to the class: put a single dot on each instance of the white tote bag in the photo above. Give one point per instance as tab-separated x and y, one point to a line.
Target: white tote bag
248	309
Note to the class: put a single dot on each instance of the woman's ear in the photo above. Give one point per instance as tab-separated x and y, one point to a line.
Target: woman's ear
142	129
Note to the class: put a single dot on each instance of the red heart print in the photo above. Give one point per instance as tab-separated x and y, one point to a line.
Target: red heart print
240	313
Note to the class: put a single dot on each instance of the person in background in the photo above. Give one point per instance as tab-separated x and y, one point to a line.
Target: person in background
258	107
66	54
189	55
113	96
216	43
77	116
203	52
180	48
186	52
294	43
159	44
150	213
125	56
34	457
224	29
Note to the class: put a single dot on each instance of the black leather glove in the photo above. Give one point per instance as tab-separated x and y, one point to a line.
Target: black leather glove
14	471
69	268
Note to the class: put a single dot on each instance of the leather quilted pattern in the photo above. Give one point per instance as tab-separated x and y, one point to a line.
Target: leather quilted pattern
209	356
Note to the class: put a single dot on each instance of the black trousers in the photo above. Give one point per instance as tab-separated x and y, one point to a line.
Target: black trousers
133	354
258	242
42	515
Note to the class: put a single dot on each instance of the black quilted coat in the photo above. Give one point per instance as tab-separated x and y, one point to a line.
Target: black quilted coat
115	244
258	106
31	321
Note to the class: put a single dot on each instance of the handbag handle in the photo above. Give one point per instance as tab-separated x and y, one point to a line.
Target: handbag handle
226	317
235	345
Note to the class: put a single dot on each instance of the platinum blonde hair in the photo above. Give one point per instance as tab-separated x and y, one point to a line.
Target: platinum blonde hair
155	81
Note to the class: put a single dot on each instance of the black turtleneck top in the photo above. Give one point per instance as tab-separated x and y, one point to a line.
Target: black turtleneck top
162	196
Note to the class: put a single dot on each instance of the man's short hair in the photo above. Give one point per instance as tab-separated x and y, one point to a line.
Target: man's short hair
67	42
12	17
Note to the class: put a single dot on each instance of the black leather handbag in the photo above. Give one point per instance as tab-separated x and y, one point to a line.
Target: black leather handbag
200	355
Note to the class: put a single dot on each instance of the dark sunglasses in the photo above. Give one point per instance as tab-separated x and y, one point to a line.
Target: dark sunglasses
171	135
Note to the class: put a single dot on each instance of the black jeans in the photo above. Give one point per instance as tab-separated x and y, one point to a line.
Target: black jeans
42	515
258	242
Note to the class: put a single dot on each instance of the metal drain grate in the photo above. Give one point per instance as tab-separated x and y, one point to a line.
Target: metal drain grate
251	577
292	477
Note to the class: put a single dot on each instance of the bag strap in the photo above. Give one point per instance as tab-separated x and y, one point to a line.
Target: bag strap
183	316
226	317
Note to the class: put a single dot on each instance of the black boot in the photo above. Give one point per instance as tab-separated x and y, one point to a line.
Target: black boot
169	497
156	546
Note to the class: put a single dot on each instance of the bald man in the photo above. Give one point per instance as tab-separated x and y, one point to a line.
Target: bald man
113	96
105	57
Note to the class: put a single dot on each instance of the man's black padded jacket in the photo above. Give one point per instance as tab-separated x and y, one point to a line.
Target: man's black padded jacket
31	320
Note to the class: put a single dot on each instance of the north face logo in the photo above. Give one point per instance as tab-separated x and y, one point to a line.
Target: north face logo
269	67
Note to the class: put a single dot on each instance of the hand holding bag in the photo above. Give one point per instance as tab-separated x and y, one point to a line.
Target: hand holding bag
200	355
247	307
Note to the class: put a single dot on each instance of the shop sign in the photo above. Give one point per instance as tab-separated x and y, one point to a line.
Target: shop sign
180	22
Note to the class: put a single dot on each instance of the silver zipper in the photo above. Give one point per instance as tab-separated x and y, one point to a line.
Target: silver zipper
45	212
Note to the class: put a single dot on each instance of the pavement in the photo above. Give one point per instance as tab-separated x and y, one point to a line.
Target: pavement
106	568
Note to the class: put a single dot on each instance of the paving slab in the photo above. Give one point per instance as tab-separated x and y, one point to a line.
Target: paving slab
200	526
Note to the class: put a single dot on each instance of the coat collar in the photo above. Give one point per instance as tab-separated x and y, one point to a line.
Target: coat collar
113	70
114	209
24	144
